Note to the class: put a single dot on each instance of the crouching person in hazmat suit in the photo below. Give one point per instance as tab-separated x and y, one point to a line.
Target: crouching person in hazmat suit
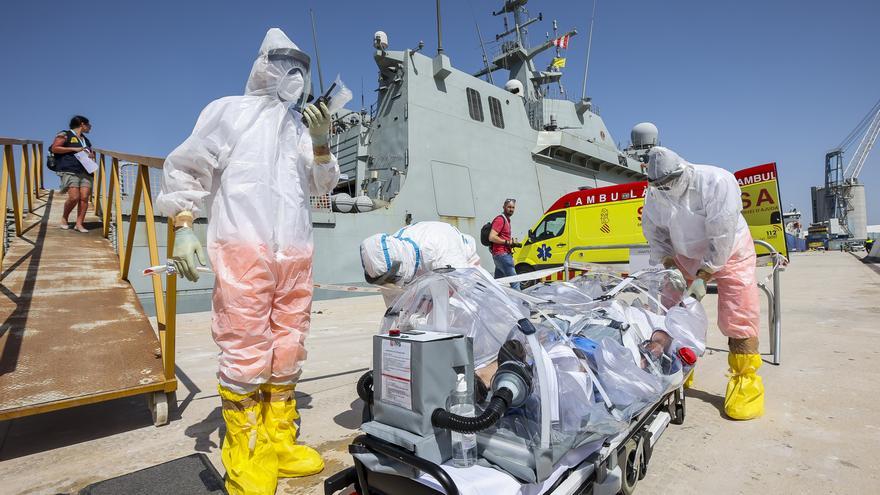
391	261
251	165
693	220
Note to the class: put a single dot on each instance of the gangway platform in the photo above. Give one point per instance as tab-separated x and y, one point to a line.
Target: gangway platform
73	331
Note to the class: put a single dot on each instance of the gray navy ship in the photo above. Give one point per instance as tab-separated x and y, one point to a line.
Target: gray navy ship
443	144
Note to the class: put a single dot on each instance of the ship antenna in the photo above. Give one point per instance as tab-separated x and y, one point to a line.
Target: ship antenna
589	48
317	56
439	31
485	58
363	105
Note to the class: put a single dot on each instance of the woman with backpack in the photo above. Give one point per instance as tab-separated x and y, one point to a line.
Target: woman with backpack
75	180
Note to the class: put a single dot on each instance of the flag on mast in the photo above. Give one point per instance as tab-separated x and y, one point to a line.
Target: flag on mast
562	41
558	62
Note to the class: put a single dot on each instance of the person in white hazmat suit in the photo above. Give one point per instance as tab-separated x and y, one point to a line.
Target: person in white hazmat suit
391	261
693	220
251	165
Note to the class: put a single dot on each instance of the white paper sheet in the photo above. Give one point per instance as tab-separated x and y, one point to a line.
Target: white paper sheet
86	161
397	373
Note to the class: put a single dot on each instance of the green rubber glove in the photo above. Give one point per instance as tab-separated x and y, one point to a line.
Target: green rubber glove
677	280
697	290
318	118
186	249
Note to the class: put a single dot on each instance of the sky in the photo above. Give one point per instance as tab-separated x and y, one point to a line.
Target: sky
732	84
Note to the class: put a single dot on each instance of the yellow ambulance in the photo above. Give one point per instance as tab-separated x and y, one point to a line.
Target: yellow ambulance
589	217
612	215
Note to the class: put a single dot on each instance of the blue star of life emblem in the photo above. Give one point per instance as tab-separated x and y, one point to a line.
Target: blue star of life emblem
544	252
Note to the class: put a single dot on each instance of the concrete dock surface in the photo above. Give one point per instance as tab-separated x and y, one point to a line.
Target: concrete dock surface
820	432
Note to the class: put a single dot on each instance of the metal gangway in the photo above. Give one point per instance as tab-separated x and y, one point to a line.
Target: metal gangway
73	330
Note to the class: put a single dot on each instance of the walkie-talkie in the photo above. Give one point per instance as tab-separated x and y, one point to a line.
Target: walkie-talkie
325	99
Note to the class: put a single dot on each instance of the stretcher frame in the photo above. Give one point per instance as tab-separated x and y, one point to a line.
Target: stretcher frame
615	468
774	295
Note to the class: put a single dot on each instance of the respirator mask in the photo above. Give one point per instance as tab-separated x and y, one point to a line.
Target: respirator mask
291	67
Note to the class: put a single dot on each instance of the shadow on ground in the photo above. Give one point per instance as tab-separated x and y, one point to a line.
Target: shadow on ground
353	417
56	429
715	401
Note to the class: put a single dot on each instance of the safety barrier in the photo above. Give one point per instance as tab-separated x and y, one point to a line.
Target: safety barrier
774	299
107	200
774	296
28	184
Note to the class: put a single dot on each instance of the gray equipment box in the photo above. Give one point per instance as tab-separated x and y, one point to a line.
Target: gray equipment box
414	373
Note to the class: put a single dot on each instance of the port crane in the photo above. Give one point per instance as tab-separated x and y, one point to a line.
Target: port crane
839	179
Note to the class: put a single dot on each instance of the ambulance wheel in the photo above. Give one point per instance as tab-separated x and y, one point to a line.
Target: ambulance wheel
521	269
630	461
158	404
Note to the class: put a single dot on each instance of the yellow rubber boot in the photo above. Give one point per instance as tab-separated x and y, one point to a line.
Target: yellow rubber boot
250	461
689	382
745	390
279	415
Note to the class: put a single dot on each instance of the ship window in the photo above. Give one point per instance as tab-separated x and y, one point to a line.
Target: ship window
475	106
495	112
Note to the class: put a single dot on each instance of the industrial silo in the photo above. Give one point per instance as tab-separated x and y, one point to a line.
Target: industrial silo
857	219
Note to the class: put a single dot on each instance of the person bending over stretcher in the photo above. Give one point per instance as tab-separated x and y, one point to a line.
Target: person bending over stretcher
391	261
693	220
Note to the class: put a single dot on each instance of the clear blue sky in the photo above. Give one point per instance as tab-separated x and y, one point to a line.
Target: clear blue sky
728	83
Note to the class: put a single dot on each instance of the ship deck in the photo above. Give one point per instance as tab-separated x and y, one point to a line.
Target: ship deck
820	433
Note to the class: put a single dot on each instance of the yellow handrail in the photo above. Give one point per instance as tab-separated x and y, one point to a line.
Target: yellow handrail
28	185
107	198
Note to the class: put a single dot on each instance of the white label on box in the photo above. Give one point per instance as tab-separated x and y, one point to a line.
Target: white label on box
397	373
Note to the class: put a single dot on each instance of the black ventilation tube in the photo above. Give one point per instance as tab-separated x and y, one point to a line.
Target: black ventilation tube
365	387
441	418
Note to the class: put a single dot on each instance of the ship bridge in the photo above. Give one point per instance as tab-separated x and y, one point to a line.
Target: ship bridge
74	331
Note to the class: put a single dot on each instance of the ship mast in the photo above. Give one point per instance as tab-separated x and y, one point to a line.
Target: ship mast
516	57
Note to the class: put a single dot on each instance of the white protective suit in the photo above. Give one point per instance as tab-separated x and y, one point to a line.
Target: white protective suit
696	218
698	222
419	248
699	218
249	165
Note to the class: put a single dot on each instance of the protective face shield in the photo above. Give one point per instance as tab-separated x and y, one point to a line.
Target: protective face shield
389	278
387	261
666	170
281	71
291	66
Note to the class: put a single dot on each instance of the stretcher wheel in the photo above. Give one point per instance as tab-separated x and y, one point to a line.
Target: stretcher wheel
677	411
644	445
158	404
630	461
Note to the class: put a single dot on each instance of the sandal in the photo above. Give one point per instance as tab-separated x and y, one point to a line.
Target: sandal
64	226
81	229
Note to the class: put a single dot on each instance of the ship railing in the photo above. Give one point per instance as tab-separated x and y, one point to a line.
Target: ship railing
24	180
774	295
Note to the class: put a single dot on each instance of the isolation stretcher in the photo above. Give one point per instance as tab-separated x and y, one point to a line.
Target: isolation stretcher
573	383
